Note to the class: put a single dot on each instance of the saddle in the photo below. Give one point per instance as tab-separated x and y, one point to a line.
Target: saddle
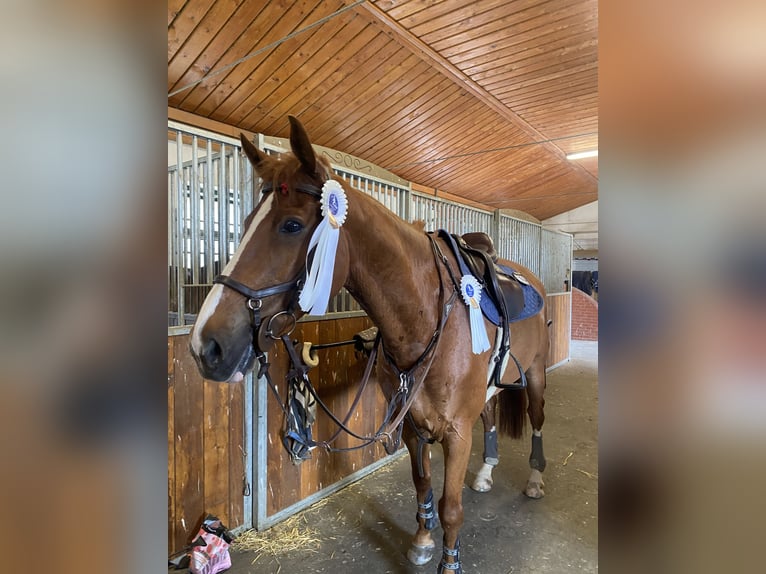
502	293
479	254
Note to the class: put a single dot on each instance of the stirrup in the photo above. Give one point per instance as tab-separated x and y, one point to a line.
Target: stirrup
522	384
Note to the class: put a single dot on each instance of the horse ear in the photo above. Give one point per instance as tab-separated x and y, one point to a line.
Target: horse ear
301	146
255	155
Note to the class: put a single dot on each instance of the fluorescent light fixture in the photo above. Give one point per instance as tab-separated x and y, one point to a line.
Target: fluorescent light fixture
583	154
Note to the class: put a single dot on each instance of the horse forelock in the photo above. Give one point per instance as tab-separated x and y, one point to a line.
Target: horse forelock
276	170
286	169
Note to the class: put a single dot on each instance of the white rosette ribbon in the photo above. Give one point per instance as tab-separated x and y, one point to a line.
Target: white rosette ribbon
471	291
315	295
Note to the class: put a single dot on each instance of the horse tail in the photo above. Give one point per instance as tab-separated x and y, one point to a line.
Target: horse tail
512	406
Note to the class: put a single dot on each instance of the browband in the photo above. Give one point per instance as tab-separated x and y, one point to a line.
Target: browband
312	190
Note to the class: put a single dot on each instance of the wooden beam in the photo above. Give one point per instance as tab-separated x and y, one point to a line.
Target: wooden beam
444	66
207	124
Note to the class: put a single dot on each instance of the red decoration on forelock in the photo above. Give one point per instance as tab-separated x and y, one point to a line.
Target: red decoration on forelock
283	188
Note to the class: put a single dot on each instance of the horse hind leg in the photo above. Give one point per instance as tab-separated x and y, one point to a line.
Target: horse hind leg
422	548
535	390
483	481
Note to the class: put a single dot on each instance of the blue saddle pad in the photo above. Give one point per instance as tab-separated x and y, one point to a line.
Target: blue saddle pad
533	301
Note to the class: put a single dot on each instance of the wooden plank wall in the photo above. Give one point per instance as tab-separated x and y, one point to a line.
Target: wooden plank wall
205	447
560	312
336	380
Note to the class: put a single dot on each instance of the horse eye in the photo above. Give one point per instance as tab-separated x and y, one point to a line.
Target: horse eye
292	226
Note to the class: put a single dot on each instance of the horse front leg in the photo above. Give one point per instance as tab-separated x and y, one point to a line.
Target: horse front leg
483	481
535	389
422	548
457	450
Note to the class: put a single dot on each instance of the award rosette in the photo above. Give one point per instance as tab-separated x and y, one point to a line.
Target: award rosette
315	295
471	291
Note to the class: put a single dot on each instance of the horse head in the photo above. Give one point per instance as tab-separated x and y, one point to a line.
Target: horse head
255	300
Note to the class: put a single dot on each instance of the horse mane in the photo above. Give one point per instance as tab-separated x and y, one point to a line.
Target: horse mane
419	225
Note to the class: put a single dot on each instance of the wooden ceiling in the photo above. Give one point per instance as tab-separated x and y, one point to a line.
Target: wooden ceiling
481	99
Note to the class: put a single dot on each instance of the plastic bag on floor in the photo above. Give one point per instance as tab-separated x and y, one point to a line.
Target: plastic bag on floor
209	552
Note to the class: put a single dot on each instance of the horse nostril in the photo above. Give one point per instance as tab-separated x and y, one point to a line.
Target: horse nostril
211	352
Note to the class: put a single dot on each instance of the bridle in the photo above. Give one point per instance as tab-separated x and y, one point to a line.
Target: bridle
390	431
255	297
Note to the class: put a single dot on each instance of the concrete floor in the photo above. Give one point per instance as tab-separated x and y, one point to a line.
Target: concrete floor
367	527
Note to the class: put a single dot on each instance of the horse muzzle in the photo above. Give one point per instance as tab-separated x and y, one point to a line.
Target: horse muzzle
218	362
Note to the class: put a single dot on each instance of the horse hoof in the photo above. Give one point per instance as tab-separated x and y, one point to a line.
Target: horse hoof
534	490
482	485
420	555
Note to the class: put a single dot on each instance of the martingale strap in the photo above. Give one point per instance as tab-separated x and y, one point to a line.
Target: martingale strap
409	385
389	432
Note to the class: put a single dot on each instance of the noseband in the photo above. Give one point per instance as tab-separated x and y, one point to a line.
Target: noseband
255	297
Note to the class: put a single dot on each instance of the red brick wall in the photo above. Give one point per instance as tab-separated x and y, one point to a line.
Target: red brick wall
584	316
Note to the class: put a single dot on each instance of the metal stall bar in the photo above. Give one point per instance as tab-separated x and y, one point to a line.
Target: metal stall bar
171	239
180	266
194	220
248	188
223	211
260	445
238	217
208	195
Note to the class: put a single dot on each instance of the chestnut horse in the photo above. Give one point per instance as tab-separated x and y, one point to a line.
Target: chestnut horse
404	279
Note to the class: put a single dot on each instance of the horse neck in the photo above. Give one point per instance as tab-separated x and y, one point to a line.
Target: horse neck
393	275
